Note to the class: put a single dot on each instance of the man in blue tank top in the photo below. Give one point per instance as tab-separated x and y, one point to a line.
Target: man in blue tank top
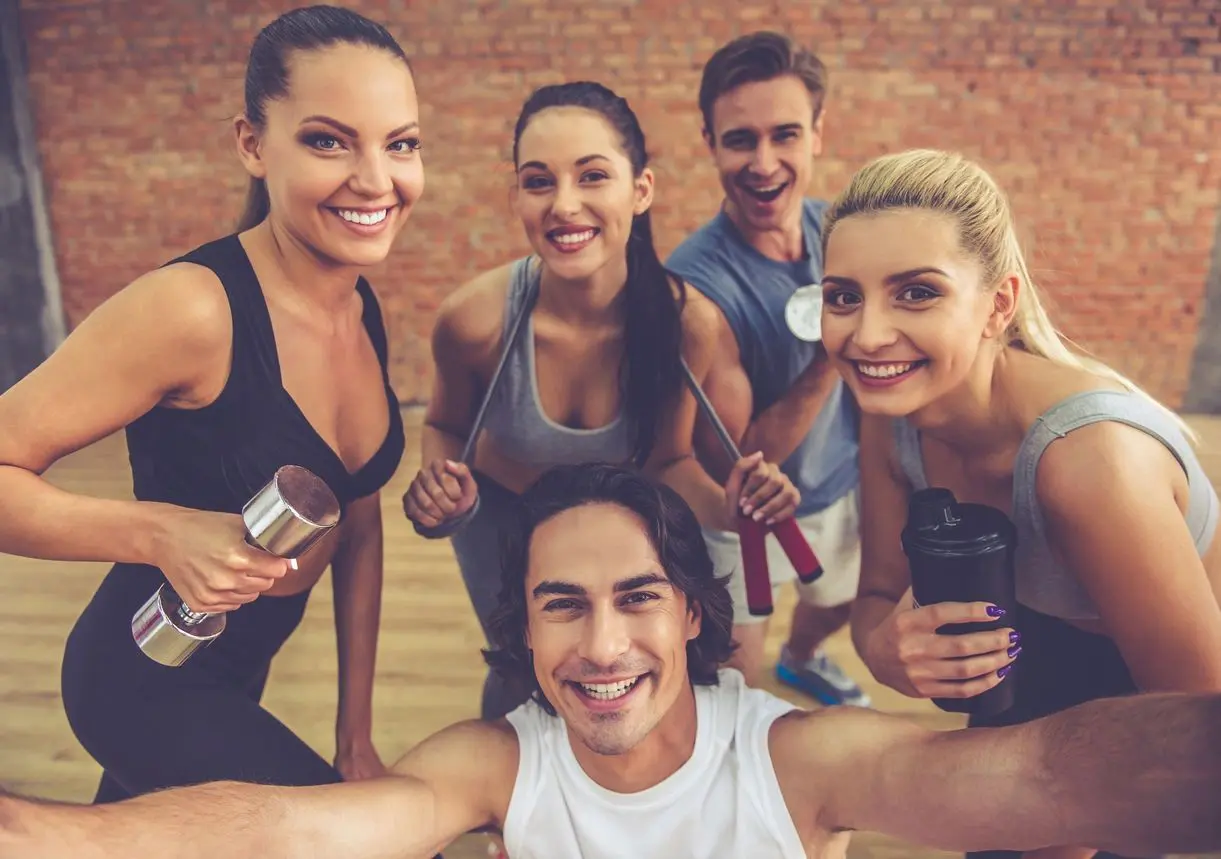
761	99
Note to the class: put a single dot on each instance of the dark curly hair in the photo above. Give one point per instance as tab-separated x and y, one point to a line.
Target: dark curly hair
676	537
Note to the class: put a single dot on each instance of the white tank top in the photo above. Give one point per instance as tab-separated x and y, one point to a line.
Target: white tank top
724	801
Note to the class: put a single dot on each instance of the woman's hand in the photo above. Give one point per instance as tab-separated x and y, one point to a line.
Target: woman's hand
358	759
206	559
760	490
441	491
905	652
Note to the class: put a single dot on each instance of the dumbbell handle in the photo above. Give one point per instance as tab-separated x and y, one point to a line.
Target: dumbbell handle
194	618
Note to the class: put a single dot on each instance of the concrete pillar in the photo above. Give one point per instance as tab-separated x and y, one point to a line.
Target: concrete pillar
31	317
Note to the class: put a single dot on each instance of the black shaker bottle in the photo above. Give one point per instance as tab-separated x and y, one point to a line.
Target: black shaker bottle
962	553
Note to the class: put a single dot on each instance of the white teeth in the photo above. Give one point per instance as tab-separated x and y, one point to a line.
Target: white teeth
883	371
366	218
574	238
609	691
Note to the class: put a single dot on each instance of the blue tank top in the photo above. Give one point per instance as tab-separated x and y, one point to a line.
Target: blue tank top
515	418
1042	583
751	291
217	457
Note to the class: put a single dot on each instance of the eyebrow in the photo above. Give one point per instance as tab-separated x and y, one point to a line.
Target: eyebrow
890	279
350	131
580	162
788	126
558	588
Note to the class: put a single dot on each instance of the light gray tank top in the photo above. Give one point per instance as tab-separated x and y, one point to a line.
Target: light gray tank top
1042	584
515	417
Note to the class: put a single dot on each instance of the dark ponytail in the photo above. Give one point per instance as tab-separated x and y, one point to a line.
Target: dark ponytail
307	29
653	297
653	338
258	205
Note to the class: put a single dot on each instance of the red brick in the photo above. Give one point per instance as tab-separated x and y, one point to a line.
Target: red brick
1101	120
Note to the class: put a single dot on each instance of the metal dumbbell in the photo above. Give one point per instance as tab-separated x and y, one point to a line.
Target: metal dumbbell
285	518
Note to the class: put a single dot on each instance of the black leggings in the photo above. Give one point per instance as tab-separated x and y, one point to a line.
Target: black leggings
153	727
1061	666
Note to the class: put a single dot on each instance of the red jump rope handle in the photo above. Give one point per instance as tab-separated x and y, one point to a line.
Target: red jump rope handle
801	556
753	537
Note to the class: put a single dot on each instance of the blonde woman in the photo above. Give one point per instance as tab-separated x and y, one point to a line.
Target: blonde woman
932	318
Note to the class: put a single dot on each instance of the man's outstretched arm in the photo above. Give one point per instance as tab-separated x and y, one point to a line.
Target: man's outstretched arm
438	791
1137	776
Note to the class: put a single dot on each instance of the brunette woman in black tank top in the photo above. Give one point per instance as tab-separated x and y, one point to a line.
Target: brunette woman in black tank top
256	350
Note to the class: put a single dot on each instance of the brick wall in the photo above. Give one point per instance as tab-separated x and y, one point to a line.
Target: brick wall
1102	118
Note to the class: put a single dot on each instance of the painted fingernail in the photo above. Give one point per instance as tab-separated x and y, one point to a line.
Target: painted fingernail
995	611
1015	637
746	508
1001	672
1014	651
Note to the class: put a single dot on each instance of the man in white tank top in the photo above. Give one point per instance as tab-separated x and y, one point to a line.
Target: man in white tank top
636	746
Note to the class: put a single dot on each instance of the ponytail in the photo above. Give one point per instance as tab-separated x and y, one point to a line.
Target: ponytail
653	335
258	205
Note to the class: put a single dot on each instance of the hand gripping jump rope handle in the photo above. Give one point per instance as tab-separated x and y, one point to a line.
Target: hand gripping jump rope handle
287	517
753	534
452	526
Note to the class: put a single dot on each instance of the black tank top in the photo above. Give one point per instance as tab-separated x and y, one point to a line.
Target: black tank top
218	456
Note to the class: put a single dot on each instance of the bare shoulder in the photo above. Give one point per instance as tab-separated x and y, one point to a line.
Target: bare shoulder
817	753
470	320
474	759
1104	463
706	333
471	746
183	300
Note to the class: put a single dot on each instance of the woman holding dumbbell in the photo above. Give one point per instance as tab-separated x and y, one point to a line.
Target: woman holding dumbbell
261	349
931	316
595	373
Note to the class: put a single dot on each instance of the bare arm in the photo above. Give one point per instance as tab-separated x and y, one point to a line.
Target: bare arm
673	458
456	388
779	429
1107	493
1138	776
162	339
898	643
456	781
885	575
356	575
466	337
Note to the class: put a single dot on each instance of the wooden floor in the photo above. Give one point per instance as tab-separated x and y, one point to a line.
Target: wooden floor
429	669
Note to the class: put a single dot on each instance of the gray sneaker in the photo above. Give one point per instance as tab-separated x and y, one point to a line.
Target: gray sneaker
822	679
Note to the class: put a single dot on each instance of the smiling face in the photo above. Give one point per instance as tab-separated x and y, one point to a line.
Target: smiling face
764	141
607	630
576	193
906	314
340	152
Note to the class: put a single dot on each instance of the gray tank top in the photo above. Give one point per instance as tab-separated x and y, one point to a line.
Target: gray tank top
515	417
1042	584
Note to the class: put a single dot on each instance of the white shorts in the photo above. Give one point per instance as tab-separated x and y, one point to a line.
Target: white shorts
835	536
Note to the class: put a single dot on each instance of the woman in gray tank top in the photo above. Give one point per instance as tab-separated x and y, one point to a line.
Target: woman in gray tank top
597	374
932	318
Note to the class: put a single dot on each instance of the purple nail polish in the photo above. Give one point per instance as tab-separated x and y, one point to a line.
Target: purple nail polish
1001	672
1014	651
995	611
1015	637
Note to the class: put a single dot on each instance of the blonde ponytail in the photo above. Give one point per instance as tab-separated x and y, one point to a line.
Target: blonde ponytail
952	185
